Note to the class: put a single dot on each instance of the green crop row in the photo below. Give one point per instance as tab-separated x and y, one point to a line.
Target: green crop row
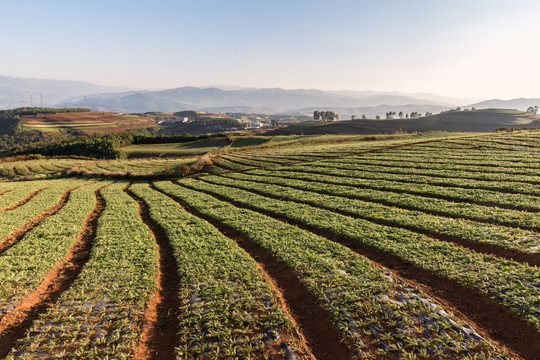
227	309
342	165
339	186
11	220
379	316
25	264
359	161
100	315
512	284
470	195
444	159
224	163
312	193
403	174
16	194
469	154
390	174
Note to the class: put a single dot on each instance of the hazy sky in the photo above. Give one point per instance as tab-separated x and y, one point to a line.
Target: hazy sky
468	48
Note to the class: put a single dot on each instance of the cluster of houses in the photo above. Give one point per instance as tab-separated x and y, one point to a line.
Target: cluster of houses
179	119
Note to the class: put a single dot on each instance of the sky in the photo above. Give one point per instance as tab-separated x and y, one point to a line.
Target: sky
463	48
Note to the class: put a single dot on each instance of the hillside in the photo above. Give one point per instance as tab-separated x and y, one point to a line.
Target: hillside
477	121
15	91
519	104
406	246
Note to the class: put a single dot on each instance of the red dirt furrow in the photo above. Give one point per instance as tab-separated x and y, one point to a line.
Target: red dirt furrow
18	321
21	202
158	339
492	317
510	254
323	340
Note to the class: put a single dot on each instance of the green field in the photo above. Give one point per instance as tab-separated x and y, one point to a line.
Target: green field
404	246
192	148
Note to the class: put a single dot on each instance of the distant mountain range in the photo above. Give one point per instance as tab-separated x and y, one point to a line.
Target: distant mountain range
268	101
15	92
519	104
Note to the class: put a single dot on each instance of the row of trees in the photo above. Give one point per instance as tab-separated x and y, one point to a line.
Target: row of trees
414	114
325	115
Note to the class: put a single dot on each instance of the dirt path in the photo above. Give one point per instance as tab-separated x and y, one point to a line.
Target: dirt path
159	339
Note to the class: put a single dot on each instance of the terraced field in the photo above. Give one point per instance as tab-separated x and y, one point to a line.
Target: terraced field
420	247
61	167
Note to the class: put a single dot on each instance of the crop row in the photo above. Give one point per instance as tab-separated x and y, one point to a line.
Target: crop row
100	315
392	175
433	177
470	195
468	154
342	164
54	167
440	161
512	284
25	264
379	315
313	194
227	309
12	196
454	166
49	197
340	186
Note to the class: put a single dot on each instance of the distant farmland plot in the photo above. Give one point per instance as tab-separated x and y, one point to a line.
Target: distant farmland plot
90	122
423	246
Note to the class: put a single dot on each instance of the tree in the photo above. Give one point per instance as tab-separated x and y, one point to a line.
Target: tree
275	123
377	117
364	117
533	110
390	115
353	117
325	115
401	114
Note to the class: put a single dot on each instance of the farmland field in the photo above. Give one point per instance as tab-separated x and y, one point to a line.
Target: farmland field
87	122
421	246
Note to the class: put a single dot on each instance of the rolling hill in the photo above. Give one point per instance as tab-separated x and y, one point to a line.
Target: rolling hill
477	121
519	103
